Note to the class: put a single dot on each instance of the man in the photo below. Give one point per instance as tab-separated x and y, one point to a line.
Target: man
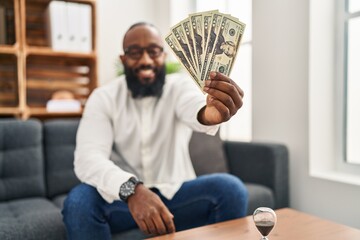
148	118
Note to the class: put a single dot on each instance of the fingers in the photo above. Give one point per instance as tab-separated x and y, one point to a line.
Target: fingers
160	227
224	111
142	226
221	77
162	223
159	223
156	223
151	226
150	213
168	220
224	93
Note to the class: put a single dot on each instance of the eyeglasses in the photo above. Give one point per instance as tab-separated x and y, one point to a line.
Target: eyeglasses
136	52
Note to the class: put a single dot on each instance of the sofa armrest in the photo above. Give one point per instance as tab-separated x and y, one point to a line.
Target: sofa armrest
261	163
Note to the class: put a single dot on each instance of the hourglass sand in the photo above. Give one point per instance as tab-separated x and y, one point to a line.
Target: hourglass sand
265	220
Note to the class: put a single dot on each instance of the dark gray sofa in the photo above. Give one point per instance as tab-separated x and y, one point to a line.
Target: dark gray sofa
36	173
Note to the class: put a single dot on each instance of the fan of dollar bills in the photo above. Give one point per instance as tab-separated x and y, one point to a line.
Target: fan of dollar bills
205	42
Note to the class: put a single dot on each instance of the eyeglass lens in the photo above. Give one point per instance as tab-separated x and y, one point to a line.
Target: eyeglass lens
136	52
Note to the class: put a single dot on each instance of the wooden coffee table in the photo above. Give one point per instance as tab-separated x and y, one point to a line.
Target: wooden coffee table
291	225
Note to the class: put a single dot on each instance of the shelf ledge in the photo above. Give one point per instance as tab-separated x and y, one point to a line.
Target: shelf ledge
9	49
46	51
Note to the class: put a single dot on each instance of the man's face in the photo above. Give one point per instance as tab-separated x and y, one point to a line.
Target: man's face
144	60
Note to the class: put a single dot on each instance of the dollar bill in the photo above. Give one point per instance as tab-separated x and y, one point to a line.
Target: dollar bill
171	40
197	23
206	25
180	35
227	44
190	40
197	33
214	30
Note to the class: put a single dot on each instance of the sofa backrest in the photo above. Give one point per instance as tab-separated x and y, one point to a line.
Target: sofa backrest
207	153
21	159
59	146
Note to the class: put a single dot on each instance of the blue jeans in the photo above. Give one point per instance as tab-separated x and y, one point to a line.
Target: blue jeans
207	199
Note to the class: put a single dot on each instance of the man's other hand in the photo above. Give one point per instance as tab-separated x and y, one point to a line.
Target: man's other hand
150	213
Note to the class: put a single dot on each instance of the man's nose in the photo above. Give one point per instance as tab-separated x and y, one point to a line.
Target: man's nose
145	58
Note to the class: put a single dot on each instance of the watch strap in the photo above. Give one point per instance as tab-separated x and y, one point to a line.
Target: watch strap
134	182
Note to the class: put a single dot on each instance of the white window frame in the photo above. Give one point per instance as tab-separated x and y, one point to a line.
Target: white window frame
343	77
326	96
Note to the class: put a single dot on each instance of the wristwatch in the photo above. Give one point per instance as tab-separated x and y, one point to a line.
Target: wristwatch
128	188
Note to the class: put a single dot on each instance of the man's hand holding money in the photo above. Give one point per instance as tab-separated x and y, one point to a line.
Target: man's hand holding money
206	44
223	100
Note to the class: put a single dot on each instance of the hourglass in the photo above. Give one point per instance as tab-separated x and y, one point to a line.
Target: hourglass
265	220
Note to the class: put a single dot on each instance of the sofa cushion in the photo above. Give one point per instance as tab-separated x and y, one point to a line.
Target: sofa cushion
207	153
31	219
21	159
59	145
259	196
59	200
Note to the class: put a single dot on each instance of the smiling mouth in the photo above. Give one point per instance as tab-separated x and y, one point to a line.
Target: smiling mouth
146	74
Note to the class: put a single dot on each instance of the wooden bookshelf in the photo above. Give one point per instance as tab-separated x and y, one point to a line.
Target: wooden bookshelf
31	71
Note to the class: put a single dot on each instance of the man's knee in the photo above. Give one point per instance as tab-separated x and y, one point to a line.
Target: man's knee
229	186
225	181
232	194
80	201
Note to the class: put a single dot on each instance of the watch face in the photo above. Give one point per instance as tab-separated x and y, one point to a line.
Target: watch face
127	189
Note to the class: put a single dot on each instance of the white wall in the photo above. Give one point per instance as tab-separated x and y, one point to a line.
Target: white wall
280	106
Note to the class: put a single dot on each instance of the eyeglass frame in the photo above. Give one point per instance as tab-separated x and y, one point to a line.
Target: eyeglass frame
142	49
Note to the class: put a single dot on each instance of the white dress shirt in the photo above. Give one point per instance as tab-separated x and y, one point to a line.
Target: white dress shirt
120	137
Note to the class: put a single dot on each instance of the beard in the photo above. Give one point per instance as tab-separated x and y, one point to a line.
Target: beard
138	89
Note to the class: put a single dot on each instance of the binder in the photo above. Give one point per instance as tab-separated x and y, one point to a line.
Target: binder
85	25
73	26
56	15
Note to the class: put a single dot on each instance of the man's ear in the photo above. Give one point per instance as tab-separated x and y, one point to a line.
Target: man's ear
122	58
165	56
